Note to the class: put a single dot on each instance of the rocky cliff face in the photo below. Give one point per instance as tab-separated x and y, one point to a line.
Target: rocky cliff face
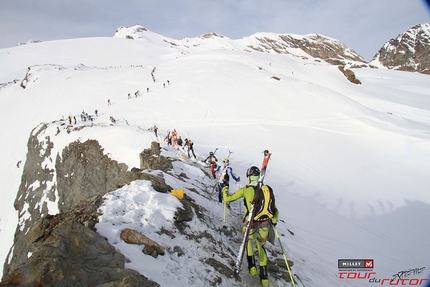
65	250
410	51
313	45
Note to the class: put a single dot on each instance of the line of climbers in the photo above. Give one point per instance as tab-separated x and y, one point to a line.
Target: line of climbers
266	213
84	116
175	140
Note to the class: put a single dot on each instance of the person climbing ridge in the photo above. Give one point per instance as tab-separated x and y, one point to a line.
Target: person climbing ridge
264	215
225	173
213	162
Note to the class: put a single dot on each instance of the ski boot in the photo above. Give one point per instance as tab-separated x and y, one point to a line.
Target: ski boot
251	265
263	276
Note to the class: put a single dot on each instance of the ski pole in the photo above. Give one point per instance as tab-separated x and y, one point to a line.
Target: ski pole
285	256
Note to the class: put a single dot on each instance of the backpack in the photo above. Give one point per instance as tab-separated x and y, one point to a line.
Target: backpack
264	204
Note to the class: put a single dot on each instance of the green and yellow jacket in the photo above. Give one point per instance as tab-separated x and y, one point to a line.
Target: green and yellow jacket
247	193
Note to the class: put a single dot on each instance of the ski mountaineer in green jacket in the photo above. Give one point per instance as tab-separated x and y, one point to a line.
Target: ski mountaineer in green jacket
259	230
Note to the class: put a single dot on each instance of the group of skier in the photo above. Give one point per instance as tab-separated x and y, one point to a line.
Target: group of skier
260	211
84	116
175	140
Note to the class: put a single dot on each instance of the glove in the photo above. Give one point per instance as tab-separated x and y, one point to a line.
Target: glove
274	222
238	179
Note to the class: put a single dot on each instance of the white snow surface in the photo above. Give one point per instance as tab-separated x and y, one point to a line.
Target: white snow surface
350	165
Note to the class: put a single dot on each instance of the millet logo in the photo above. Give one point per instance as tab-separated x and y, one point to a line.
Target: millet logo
355	263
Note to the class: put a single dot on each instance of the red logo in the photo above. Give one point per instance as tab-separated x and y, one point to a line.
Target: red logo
368	263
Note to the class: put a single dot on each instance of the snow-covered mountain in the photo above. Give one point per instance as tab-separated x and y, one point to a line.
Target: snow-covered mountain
409	51
350	165
312	45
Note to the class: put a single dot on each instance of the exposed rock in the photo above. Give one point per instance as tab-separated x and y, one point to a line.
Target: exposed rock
220	267
158	182
151	247
410	51
83	170
67	253
152	160
349	75
315	45
184	214
211	36
82	173
25	81
35	185
178	250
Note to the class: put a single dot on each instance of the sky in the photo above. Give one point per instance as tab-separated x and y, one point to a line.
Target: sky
364	25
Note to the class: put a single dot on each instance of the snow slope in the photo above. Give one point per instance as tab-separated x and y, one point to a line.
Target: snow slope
350	166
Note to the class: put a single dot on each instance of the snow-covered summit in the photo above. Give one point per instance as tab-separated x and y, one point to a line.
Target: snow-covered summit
307	46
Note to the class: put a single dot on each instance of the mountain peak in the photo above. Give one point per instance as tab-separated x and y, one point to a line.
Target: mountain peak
409	51
313	45
134	32
212	35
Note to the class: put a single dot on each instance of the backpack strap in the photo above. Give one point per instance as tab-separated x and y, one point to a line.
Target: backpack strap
264	209
245	203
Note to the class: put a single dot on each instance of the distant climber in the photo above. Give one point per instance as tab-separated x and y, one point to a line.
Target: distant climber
168	139
155	130
225	173
189	144
213	162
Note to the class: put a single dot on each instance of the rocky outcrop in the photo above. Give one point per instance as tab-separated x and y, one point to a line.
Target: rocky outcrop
82	173
350	75
410	51
151	159
150	247
315	45
66	251
83	170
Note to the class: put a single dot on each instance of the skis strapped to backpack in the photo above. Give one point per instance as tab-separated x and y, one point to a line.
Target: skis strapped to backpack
251	215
